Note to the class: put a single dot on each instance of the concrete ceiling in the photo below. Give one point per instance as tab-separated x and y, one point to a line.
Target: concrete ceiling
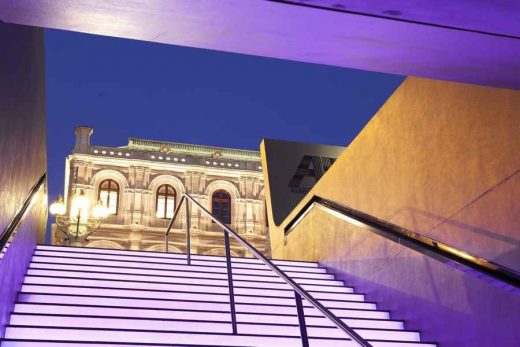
497	17
463	41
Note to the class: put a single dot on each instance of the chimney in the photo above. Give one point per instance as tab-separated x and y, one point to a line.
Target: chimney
83	135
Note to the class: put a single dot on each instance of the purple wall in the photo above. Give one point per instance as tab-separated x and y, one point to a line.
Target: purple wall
300	33
22	150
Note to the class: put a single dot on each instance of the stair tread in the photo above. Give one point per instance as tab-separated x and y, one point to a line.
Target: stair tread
181	268
227	322
150	254
106	334
153	314
221	263
201	310
178	274
126	283
88	296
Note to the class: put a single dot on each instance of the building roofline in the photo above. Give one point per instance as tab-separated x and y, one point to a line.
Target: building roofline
192	149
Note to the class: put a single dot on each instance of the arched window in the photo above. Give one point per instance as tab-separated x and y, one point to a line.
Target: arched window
109	195
221	206
165	204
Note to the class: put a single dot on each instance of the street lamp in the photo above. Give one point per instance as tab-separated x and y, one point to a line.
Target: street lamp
79	224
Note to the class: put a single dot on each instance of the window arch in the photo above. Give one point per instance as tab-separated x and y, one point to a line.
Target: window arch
221	206
108	194
165	201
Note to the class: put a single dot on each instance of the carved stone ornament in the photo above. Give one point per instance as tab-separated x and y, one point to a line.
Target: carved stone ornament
165	149
217	154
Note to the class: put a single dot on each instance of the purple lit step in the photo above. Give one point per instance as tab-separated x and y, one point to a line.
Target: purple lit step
106	335
121	323
401	344
82	297
174	267
196	315
40	343
179	261
183	287
313	343
163	295
120	312
121	302
80	250
189	305
391	335
202	281
171	273
200	326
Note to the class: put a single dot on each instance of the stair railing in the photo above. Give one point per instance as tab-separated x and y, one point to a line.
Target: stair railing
418	242
22	211
299	292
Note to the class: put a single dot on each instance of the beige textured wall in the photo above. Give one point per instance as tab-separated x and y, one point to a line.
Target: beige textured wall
441	159
438	158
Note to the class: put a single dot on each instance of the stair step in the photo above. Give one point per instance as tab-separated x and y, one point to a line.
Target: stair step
220	263
142	278
147	254
158	337
150	337
175	267
79	310
146	286
82	297
72	299
205	326
46	343
187	296
177	273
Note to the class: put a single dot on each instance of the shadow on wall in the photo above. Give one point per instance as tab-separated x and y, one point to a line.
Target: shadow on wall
510	257
433	297
476	223
448	306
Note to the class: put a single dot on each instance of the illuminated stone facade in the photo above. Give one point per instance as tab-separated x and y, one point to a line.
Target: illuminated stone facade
142	167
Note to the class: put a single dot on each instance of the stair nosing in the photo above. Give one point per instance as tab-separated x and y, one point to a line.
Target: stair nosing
204	321
189	292
223	258
202	272
192	265
146	252
186	284
183	300
170	332
214	311
200	278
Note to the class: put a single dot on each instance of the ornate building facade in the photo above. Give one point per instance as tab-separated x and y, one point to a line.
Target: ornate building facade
141	185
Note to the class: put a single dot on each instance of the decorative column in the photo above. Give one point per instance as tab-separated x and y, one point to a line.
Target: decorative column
139	180
248	189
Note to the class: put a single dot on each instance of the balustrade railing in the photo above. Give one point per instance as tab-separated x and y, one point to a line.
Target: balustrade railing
299	292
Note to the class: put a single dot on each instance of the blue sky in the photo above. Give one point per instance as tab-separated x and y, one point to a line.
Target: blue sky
124	88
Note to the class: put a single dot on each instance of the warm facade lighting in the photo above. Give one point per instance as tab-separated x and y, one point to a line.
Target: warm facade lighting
100	211
57	208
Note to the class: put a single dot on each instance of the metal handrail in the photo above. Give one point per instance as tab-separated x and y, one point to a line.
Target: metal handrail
298	290
15	221
418	242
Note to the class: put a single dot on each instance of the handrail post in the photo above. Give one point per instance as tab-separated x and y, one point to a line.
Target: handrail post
188	239
170	225
230	284
296	287
301	319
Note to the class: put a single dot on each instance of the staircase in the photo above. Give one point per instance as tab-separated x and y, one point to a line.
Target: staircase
100	297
